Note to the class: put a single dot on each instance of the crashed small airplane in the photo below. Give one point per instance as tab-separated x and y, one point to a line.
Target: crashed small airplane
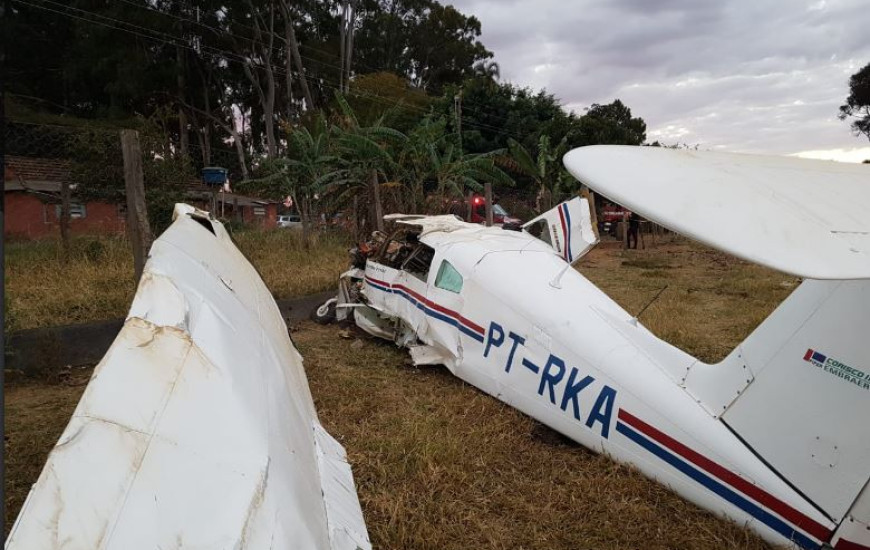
775	436
197	429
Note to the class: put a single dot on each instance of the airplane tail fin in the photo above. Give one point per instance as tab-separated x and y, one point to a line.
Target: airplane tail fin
797	392
567	228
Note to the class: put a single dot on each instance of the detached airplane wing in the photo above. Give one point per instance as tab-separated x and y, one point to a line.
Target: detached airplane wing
197	429
804	217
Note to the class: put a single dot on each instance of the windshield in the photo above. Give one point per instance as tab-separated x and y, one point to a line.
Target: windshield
499	211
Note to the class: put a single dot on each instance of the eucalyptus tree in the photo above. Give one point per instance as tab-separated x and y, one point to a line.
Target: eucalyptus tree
857	103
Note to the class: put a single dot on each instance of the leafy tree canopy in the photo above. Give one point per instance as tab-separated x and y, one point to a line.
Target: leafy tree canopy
857	105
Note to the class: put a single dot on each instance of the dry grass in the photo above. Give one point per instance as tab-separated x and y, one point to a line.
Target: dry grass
712	301
288	268
441	465
97	283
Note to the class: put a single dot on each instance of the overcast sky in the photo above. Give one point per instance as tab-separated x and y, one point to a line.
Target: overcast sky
763	76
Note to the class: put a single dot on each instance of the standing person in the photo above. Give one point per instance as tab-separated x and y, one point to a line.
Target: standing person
633	227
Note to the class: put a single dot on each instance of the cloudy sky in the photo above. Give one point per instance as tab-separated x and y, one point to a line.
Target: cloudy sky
763	76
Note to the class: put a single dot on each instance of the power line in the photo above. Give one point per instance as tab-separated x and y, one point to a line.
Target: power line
280	51
232	56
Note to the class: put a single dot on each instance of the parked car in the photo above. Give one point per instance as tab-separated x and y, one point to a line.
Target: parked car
290	221
478	212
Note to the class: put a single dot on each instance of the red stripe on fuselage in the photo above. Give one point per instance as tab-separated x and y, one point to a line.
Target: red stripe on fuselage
429	303
761	496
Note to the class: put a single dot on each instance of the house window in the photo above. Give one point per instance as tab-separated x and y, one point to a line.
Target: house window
259	210
448	278
77	211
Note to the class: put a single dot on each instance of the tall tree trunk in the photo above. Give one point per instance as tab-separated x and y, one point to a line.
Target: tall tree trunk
240	150
183	137
293	50
266	94
342	42
349	53
288	75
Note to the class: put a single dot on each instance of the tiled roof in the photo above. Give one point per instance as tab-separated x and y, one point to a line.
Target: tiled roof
46	175
32	169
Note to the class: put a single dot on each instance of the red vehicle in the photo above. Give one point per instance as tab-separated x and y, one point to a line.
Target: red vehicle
478	212
613	213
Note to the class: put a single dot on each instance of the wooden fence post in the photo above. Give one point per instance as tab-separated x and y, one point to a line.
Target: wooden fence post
487	194
376	197
470	209
138	229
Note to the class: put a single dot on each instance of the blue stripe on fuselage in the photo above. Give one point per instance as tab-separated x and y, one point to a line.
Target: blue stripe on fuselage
719	489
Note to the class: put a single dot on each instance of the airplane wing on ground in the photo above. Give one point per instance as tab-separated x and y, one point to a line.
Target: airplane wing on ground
810	218
197	429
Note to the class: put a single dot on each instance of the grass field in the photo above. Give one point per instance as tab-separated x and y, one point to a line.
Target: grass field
97	282
441	465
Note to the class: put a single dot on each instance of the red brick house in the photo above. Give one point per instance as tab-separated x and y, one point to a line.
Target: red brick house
32	189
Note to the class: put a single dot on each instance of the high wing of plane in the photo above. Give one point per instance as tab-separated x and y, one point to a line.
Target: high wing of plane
774	437
197	429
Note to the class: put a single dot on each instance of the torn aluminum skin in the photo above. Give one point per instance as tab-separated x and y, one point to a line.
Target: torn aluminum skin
197	429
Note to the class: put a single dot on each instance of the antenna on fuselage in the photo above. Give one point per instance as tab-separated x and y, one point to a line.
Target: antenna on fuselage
656	297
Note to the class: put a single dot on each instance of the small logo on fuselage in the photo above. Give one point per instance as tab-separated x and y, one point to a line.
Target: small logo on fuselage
838	369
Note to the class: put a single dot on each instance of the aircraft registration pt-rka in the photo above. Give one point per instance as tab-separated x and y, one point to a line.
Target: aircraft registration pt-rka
775	436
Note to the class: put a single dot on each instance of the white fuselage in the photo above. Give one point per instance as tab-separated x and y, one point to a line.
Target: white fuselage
555	347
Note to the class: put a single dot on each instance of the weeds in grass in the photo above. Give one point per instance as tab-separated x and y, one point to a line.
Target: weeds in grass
97	282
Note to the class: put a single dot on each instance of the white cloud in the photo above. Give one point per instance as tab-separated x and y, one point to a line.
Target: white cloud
774	72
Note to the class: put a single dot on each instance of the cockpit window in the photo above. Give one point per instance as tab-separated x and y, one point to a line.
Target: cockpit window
418	260
448	278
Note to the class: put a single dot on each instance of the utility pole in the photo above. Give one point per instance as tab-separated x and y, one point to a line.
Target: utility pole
138	230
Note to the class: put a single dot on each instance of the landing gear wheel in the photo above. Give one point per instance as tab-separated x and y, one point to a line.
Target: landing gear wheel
324	314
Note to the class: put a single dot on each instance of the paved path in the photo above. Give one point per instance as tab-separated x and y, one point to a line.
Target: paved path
51	348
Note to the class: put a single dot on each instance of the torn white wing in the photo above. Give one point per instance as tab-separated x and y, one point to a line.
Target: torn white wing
805	217
197	429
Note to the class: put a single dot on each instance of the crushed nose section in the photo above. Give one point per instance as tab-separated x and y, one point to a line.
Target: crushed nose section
197	428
